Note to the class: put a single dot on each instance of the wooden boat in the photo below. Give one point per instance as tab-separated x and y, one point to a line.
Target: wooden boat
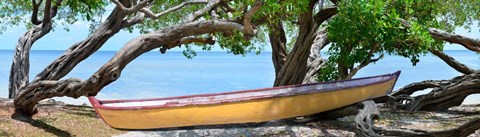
241	106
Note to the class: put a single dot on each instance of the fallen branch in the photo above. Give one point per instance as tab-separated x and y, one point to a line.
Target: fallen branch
445	93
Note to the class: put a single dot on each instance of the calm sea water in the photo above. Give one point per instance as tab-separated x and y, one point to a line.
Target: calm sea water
171	74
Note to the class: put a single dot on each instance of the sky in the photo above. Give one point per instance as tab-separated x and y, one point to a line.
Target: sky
59	39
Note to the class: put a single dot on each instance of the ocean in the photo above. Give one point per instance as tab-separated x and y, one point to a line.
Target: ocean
171	74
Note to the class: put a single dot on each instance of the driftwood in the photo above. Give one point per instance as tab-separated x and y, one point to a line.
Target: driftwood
365	119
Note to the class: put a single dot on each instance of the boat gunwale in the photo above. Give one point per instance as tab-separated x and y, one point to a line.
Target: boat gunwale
99	103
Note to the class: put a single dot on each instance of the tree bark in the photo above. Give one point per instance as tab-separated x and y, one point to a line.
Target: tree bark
460	67
365	119
82	50
278	42
303	62
414	87
20	68
295	68
445	96
21	60
315	61
469	43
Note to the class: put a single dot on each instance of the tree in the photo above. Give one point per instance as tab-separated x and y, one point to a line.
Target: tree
364	29
405	28
229	21
302	63
446	93
69	10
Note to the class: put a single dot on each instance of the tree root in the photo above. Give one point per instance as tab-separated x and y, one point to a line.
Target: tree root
445	93
365	119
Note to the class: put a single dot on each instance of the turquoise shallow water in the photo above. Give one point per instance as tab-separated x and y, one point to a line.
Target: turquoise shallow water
171	74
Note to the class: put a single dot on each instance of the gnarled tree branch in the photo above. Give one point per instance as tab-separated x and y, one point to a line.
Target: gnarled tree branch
34	18
469	43
315	61
81	50
20	68
460	67
55	8
47	18
414	87
197	14
445	93
325	14
130	10
248	27
152	15
188	40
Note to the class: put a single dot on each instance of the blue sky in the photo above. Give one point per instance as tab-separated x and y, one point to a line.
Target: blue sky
61	39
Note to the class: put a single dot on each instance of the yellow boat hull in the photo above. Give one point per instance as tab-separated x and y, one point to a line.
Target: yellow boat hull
256	110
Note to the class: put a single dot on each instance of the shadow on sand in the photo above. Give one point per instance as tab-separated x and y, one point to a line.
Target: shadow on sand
81	110
41	125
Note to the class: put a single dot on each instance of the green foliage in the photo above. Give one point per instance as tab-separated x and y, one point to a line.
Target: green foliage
170	19
14	13
233	42
11	13
72	11
189	52
328	73
387	26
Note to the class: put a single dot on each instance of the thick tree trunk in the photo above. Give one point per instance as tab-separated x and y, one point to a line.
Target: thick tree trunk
295	68
278	43
303	62
315	61
21	60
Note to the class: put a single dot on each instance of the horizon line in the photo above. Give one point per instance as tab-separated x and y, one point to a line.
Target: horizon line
182	51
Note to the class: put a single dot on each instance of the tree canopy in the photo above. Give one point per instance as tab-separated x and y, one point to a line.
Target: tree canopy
364	30
29	13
